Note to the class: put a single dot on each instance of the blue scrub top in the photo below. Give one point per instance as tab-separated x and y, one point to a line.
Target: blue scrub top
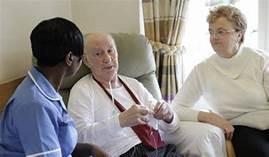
35	121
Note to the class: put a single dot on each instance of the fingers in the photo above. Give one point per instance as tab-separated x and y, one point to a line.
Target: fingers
140	114
143	110
229	132
143	114
163	112
143	120
220	122
137	114
159	107
228	136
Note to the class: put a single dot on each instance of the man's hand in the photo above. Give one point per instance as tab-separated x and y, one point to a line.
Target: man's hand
137	114
162	111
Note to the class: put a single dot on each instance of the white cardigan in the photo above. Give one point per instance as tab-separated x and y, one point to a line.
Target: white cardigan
97	119
235	88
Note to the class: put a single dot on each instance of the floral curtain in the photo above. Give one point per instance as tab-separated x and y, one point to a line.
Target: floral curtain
164	26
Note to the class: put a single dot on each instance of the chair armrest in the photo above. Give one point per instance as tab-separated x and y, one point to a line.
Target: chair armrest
229	149
6	90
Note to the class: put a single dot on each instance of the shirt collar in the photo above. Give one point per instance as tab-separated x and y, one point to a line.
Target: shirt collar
44	86
231	67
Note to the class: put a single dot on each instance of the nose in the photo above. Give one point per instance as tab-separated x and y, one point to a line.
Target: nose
214	35
107	57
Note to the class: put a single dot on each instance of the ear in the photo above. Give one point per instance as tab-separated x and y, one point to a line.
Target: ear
86	61
240	36
69	58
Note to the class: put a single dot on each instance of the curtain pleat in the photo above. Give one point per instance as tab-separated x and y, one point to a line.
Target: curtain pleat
164	27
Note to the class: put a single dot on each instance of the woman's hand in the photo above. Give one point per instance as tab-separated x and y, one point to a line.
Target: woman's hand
214	119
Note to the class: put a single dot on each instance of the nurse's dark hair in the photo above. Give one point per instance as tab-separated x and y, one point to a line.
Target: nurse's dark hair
53	39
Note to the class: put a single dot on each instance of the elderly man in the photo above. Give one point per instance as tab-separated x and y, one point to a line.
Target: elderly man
115	112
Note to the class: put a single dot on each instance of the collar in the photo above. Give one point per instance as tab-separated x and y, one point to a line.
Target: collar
44	86
231	67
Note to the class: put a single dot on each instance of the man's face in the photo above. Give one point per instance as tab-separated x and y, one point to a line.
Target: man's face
102	57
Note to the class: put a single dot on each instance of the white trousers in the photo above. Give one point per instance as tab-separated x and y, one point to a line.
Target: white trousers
196	139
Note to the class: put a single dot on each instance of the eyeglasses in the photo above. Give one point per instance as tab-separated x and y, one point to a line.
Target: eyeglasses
220	32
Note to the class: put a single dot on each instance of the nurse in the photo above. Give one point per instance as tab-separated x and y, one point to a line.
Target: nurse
35	121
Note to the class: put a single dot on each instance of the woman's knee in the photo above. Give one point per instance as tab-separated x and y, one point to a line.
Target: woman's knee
202	131
199	138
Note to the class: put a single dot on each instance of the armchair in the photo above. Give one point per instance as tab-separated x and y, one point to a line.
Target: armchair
6	90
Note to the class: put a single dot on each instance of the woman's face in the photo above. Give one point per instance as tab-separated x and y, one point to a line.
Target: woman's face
224	38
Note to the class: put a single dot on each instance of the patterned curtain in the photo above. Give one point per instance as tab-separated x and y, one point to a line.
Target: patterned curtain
164	27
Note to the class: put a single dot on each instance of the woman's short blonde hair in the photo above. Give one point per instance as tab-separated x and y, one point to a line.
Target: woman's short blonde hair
232	14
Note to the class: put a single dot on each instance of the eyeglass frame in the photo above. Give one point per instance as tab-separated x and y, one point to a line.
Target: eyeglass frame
221	32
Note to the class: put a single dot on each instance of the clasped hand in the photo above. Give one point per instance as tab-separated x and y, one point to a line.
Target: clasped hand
140	114
163	112
215	119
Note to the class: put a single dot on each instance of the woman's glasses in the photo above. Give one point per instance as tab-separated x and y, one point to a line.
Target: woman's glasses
220	32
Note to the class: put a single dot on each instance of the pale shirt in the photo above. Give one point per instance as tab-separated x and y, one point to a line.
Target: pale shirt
97	119
236	88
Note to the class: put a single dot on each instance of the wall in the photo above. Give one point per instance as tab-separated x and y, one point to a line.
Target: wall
107	15
18	17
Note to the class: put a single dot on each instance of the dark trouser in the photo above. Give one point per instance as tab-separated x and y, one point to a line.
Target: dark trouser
83	150
250	142
141	150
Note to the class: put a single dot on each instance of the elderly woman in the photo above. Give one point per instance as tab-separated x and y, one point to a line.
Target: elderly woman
235	84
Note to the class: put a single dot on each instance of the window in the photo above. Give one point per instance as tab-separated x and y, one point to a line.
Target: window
263	25
196	39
